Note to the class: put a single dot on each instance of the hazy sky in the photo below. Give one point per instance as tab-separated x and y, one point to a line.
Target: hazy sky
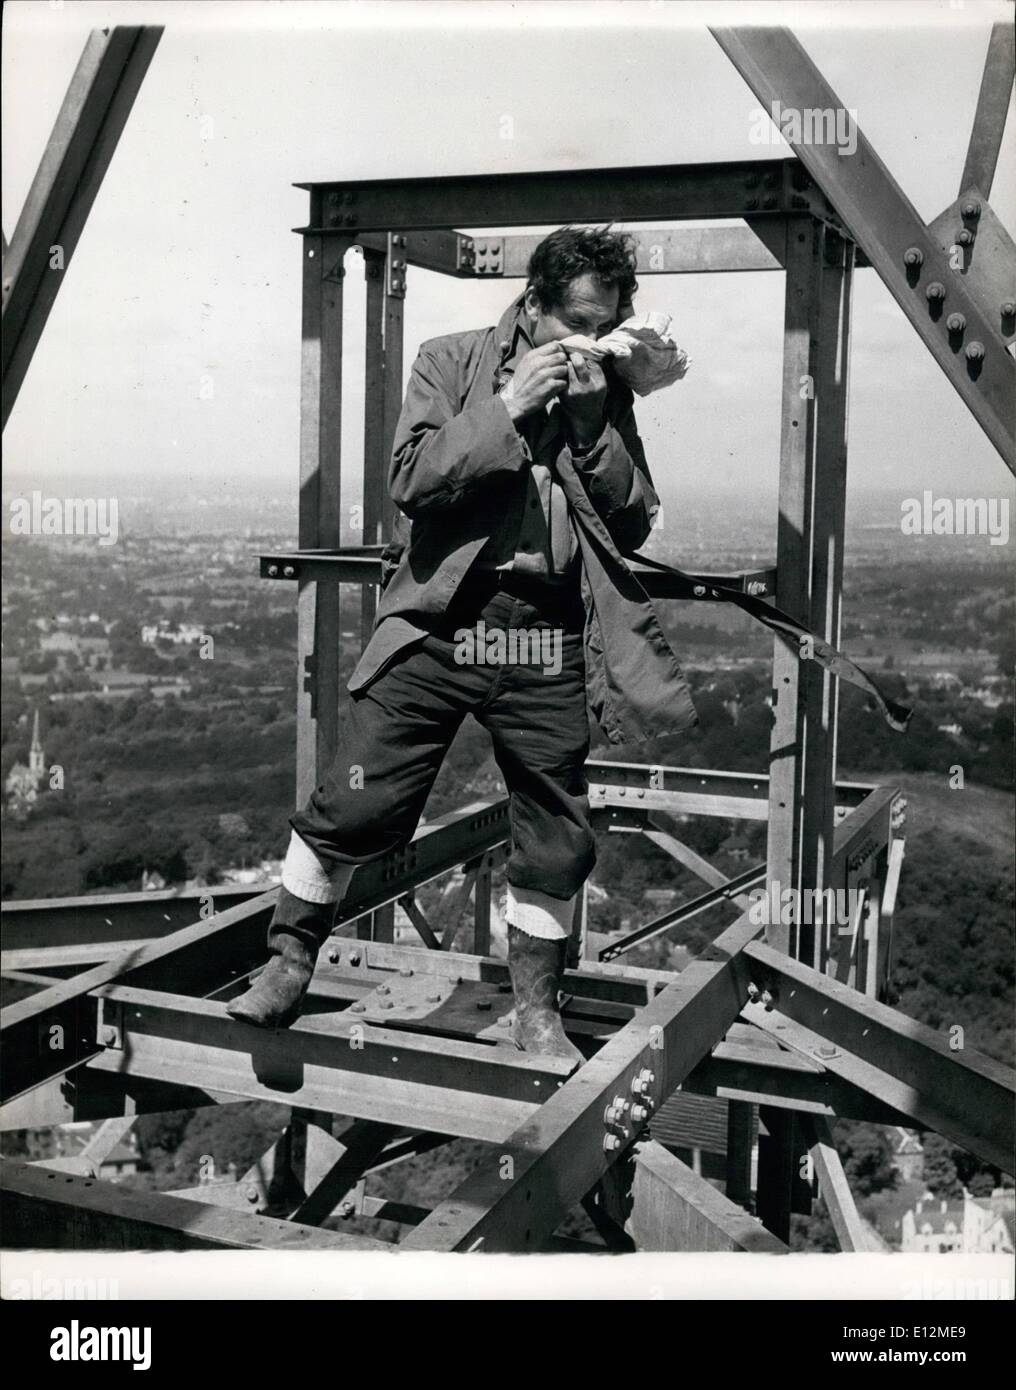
188	267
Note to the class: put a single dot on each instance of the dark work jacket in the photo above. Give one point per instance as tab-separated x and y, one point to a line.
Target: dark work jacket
458	464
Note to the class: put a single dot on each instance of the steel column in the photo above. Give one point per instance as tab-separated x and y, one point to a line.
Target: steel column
318	618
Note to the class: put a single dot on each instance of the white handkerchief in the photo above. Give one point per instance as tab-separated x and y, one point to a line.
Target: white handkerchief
645	354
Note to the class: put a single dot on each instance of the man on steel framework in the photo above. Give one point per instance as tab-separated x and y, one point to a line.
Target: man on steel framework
520	468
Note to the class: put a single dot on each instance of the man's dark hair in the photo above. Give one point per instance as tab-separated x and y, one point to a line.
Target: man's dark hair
573	251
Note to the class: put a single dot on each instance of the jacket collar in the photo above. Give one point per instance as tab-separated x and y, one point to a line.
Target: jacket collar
512	339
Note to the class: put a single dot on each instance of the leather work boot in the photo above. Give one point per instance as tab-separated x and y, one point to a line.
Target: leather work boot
536	967
298	931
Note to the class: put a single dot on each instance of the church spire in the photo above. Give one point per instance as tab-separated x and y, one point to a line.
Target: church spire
36	757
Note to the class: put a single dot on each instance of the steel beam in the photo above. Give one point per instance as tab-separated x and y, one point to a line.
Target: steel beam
675	1209
674	251
559	1155
320	509
743	1071
441	249
78	153
53	1031
992	108
963	1095
634	791
882	220
49	1210
121	919
670	251
725	892
646	193
339	1065
362	565
832	1180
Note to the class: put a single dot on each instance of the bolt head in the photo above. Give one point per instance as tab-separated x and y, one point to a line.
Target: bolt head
1008	309
252	1194
611	1143
288	572
354	957
971	209
913	255
334	957
406	972
955	323
483	1005
966	237
699	591
935	291
975	352
639	1114
109	1036
272	571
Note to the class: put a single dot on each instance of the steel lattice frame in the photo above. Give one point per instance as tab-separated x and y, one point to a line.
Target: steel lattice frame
119	1002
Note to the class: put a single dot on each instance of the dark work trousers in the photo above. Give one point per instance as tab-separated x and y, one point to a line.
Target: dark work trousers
394	736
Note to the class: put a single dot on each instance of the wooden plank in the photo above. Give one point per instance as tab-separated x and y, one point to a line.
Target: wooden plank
676	1209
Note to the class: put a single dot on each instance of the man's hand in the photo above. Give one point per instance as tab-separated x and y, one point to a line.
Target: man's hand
584	399
541	376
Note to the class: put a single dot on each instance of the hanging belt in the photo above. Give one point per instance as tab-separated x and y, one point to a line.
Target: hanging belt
897	716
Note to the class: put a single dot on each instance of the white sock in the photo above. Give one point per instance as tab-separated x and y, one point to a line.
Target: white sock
305	876
538	914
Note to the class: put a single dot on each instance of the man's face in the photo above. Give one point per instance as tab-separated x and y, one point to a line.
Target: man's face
589	307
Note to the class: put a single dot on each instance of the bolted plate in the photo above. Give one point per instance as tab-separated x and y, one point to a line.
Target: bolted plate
428	1003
